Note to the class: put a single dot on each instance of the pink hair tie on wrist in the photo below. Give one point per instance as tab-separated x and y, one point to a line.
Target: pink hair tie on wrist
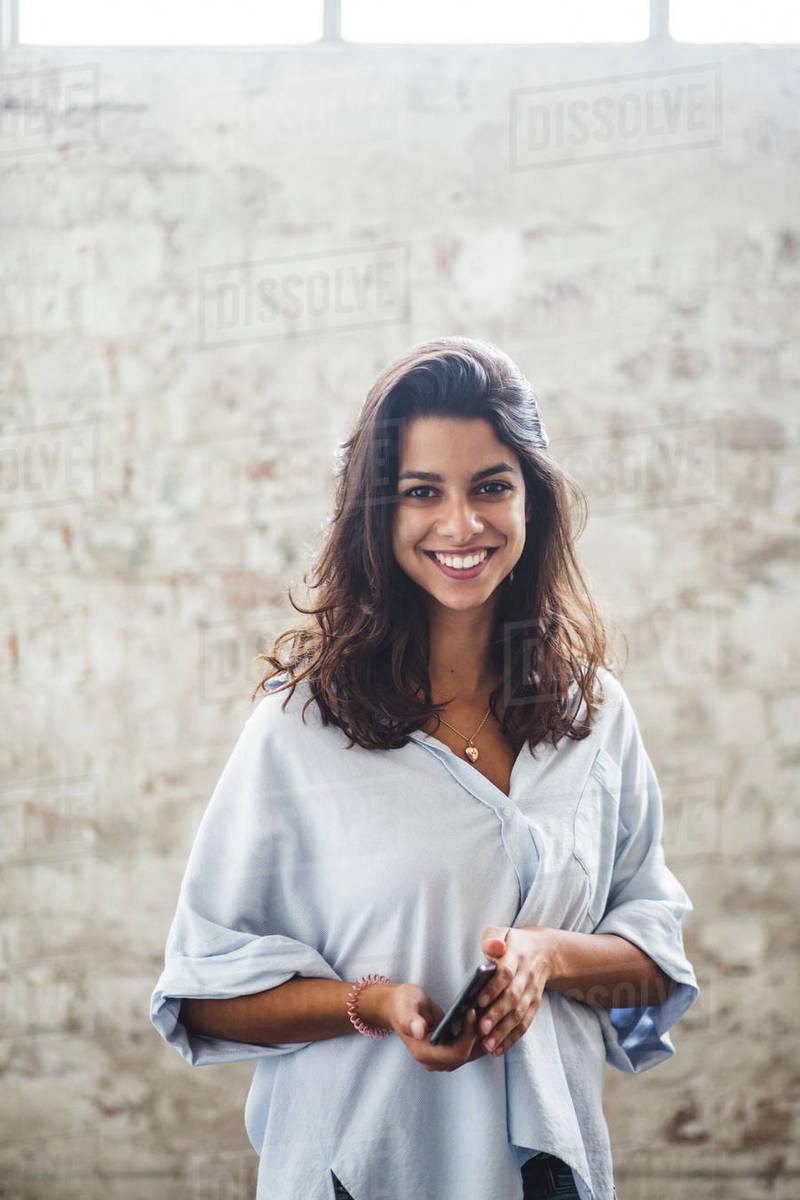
352	996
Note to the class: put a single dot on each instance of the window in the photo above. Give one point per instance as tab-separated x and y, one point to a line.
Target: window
727	21
394	22
476	21
169	22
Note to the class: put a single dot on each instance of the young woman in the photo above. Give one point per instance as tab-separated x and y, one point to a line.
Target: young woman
444	770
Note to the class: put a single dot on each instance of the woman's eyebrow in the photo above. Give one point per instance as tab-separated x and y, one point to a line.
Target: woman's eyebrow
434	478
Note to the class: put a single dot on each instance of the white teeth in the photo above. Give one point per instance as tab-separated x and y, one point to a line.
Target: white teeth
461	564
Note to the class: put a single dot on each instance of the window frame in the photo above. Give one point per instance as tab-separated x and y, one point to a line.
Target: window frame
332	29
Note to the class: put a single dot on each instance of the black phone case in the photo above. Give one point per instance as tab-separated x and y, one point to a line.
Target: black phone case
452	1023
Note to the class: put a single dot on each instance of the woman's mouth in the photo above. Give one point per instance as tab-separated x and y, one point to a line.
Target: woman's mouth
462	566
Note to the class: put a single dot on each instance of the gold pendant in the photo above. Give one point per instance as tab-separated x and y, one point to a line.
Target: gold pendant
471	753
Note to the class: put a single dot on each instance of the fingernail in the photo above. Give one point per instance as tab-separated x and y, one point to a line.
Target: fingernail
489	1043
486	1025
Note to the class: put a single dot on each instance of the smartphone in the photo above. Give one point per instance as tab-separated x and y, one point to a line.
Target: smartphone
452	1023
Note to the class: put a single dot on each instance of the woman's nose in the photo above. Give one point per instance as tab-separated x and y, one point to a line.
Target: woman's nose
459	521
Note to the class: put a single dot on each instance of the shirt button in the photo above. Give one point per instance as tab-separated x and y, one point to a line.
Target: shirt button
507	811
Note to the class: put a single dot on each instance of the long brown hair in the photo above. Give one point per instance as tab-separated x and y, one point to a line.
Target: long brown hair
365	650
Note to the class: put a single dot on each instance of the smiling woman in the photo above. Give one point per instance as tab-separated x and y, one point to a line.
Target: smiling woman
449	458
453	774
471	516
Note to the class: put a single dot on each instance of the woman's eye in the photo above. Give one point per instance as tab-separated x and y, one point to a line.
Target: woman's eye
423	487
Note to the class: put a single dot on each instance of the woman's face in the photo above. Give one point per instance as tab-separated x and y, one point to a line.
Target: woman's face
460	492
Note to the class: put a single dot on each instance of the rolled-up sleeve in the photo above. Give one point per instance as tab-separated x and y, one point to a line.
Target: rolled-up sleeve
646	905
230	935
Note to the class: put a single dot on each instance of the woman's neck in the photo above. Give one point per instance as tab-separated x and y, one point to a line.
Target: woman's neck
459	663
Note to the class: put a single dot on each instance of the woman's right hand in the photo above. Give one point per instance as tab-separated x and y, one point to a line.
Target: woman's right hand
413	1015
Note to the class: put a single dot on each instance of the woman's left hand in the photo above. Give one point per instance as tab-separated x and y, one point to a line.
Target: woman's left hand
514	992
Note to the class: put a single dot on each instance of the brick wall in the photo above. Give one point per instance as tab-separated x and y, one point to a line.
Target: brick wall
207	258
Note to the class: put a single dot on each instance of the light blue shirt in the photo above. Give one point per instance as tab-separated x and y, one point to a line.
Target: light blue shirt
317	859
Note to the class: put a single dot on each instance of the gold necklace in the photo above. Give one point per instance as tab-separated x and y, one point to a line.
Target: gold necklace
470	750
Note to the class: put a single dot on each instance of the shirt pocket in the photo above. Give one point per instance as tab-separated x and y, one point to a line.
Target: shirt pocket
594	830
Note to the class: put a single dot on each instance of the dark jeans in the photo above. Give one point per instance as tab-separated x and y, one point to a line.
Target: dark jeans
547	1176
542	1178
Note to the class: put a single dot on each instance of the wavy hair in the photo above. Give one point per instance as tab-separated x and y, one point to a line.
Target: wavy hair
365	650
